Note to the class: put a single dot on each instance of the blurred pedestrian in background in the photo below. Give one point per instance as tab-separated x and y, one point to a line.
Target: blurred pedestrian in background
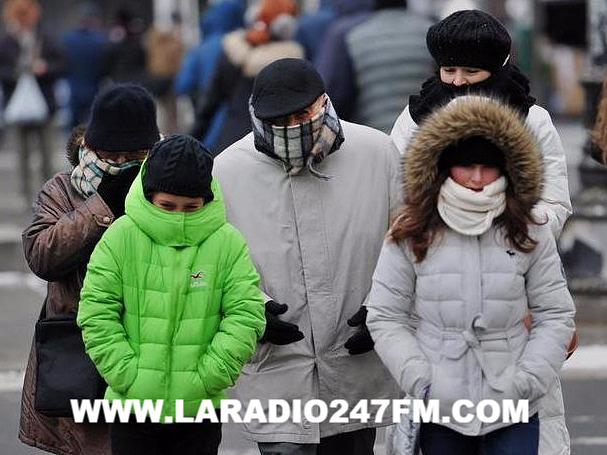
71	212
125	59
164	51
599	131
312	26
83	48
27	49
332	60
199	63
244	54
389	63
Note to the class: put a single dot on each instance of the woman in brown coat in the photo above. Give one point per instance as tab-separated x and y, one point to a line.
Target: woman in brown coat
71	212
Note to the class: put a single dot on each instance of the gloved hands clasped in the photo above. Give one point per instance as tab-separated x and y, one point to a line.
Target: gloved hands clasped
277	331
114	188
361	341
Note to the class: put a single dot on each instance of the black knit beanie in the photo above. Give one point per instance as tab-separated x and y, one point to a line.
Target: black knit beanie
470	38
469	151
179	165
123	118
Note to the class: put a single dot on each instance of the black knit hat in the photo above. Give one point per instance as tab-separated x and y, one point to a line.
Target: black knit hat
472	150
123	118
179	165
285	87
469	38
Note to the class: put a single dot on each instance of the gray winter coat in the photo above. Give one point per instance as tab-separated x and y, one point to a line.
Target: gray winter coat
315	244
472	292
556	204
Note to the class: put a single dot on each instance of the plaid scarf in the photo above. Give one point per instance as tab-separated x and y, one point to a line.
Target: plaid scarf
302	145
87	175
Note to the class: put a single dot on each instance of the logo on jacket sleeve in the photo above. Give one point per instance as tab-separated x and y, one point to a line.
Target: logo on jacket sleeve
198	279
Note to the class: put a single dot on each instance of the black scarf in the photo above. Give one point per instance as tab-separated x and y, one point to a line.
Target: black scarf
508	84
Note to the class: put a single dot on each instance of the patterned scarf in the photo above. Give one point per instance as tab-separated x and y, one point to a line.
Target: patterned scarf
469	212
87	175
302	145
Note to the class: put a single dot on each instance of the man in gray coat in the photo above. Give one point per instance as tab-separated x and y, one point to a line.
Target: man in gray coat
313	197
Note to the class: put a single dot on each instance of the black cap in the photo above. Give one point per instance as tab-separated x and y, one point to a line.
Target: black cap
123	118
472	150
179	165
285	87
469	38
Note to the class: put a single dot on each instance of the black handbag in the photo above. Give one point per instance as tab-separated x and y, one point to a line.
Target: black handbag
64	370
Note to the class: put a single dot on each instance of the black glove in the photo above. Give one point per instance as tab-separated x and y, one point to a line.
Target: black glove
361	341
113	189
277	331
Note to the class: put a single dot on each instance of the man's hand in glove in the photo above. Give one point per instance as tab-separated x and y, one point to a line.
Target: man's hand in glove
277	331
361	341
113	189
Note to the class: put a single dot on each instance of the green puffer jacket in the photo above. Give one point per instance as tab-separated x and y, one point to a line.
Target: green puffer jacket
170	307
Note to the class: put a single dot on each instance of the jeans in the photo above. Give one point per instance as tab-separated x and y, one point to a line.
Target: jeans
148	438
516	439
358	442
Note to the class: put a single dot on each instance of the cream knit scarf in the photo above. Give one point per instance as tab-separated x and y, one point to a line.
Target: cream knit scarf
469	212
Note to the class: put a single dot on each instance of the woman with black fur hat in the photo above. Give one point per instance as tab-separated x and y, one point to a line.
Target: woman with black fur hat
71	212
469	257
472	51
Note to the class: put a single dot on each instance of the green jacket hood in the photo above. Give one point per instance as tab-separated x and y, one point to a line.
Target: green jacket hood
174	229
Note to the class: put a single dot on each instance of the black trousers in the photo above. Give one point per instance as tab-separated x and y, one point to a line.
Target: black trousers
148	438
358	442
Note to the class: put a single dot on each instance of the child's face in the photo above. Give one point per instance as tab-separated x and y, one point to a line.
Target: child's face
174	203
462	75
475	176
122	157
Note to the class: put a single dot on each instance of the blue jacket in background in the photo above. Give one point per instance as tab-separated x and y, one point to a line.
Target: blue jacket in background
311	28
83	51
199	63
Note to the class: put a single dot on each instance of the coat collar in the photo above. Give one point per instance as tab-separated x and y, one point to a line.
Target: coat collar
171	228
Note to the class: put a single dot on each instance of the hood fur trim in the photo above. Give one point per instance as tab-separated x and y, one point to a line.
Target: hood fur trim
74	142
468	116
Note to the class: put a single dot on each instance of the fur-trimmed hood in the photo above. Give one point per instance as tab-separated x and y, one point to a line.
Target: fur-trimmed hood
465	117
74	142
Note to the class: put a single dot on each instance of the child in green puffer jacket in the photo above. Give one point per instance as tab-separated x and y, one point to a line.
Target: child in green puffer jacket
170	308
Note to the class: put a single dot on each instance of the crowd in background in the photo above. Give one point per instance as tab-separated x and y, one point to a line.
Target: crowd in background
371	63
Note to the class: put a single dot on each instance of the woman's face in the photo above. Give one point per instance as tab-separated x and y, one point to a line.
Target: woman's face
174	203
475	176
462	75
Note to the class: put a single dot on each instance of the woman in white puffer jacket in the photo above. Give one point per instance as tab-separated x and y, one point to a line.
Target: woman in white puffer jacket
470	259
